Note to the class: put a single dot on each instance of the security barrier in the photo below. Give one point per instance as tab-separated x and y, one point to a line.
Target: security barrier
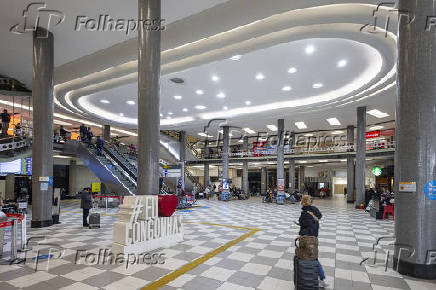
13	224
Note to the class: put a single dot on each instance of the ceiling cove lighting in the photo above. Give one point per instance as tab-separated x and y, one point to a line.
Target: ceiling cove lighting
376	128
221	95
310	49
215	78
286	88
200	107
378	114
199	92
177	97
337	132
341	63
131	103
317	85
292	70
105	101
334	122
260	77
272	127
236	57
300	125
249	131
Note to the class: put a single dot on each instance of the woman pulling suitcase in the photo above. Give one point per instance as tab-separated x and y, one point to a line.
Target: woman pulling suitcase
307	250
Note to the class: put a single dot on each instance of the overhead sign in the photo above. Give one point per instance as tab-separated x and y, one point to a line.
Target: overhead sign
407	186
173	173
373	134
96	187
44	179
430	190
377	171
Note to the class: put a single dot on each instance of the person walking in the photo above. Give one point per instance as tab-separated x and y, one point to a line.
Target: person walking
309	226
86	204
6	119
100	145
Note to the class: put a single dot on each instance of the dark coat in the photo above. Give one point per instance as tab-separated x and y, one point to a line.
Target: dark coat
308	225
85	200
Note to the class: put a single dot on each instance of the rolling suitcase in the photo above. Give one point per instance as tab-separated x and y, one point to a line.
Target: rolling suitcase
305	274
94	220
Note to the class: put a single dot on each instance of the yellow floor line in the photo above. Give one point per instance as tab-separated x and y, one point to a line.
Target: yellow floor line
188	267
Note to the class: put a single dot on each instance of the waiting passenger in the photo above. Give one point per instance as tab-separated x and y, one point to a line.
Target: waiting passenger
86	204
309	226
89	135
6	119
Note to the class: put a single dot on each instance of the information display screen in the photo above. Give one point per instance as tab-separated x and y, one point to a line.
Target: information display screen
11	167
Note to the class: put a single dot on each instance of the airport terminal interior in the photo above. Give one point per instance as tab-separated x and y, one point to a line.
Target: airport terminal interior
218	144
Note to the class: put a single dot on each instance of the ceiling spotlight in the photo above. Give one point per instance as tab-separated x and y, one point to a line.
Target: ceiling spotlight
225	108
337	132
248	103
131	103
161	115
170	113
249	131
272	127
200	107
260	77
221	95
185	110
178	97
236	57
300	125
121	114
286	88
308	135
310	49
342	63
199	92
378	114
105	101
317	86
323	161
376	128
334	122
292	70
215	78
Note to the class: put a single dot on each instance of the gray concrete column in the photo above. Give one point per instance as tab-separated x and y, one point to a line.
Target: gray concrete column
280	151
10	186
360	156
301	178
292	185
182	154
350	165
226	131
148	98
415	156
107	133
245	183
206	165
263	181
42	147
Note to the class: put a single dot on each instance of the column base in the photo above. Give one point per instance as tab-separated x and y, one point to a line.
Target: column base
421	271
56	219
41	224
351	201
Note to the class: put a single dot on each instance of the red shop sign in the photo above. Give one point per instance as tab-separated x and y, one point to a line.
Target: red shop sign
373	134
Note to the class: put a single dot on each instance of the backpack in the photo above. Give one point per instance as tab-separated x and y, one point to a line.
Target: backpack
307	247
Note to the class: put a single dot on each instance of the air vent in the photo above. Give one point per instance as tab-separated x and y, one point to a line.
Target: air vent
178	81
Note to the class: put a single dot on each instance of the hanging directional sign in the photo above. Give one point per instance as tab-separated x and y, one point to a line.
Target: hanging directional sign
430	190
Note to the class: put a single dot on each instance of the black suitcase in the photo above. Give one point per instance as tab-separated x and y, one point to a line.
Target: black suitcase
306	274
94	220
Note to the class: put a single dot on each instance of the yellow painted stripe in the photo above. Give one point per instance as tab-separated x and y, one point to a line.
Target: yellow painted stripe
188	267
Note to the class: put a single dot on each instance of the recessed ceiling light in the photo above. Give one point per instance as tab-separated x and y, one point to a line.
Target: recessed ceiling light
342	63
378	114
308	135
199	92
300	125
202	134
272	127
105	101
302	161
343	160
236	57
248	103
178	97
317	85
185	110
286	88
170	113
241	141
260	76
215	78
334	122
130	103
225	108
161	115
200	107
292	70
337	132
310	49
249	131
121	114
168	118
376	128
221	95
323	161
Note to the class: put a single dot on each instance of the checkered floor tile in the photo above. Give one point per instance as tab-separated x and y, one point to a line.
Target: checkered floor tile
261	261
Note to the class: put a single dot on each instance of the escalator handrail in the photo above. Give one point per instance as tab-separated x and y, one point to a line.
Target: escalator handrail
120	163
